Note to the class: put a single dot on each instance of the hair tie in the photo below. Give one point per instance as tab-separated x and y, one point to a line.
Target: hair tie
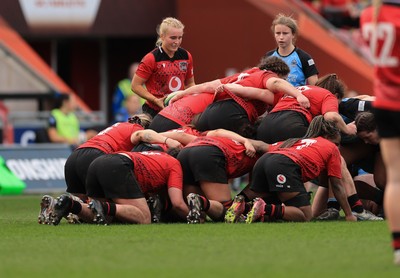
135	120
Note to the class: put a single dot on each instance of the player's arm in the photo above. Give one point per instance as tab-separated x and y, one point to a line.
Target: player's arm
275	85
263	95
137	86
312	79
177	202
335	117
340	195
152	137
206	87
181	137
250	150
189	83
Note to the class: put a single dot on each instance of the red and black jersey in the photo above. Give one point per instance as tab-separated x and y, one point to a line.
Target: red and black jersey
238	76
321	101
237	162
383	37
183	110
114	138
165	75
154	170
253	77
313	155
189	130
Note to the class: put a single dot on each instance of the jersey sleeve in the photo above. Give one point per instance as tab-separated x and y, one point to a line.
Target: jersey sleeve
330	104
334	164
190	70
146	66
308	64
175	178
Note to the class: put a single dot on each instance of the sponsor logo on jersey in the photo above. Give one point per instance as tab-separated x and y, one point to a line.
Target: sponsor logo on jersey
183	66
311	62
174	84
281	178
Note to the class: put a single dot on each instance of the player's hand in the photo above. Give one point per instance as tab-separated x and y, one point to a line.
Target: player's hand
250	150
159	102
351	128
351	218
171	143
178	95
220	88
303	101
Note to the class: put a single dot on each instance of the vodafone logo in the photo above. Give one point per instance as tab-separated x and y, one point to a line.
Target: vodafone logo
174	84
281	178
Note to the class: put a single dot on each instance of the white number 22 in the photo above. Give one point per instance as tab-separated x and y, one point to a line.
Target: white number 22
382	31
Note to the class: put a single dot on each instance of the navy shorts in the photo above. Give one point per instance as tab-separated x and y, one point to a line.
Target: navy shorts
111	176
203	163
76	167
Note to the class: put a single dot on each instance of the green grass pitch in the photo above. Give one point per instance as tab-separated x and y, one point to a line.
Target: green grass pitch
315	249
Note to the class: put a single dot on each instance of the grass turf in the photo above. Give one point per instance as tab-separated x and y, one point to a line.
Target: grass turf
326	249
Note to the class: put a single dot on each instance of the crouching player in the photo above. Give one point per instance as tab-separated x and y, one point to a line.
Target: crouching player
278	177
118	183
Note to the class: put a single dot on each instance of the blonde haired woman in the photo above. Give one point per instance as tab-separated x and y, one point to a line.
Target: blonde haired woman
166	69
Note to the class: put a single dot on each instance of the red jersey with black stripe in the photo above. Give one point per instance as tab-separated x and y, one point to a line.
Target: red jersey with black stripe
183	110
237	162
321	101
313	155
383	38
165	75
155	170
253	77
114	138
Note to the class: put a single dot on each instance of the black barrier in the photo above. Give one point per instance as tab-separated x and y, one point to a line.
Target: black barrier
40	166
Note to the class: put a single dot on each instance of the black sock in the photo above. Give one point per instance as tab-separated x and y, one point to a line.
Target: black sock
109	208
246	199
205	203
378	198
275	212
396	240
76	207
333	203
355	203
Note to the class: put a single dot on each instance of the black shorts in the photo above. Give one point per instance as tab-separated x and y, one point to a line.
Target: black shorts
76	167
161	124
111	176
388	123
227	114
145	147
276	173
148	110
282	125
203	163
